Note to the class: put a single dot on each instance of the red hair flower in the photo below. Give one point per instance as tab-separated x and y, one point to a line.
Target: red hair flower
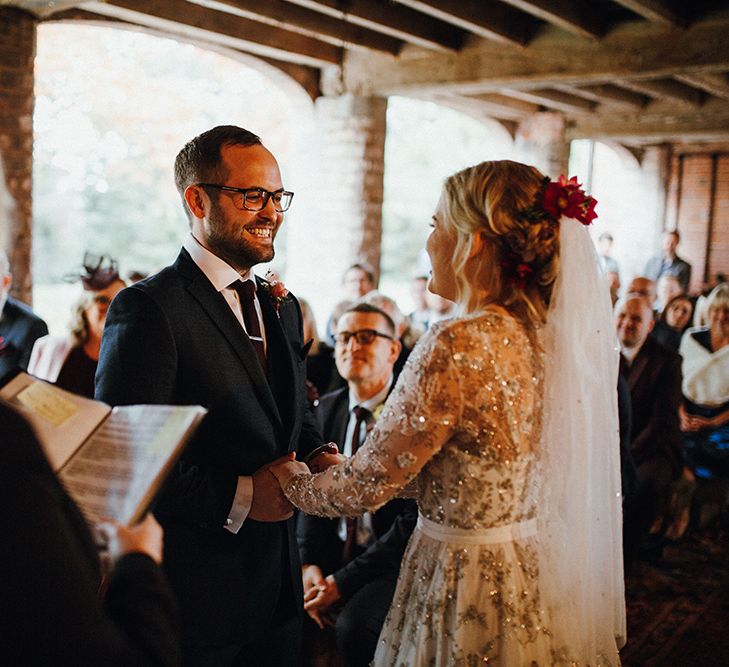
565	197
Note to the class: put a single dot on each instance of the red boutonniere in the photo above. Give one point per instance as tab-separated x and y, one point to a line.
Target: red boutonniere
277	291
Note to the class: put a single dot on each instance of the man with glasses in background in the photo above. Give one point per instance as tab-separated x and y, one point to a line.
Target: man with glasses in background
207	331
350	566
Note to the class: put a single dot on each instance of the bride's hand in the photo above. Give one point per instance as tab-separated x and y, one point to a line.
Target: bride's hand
285	471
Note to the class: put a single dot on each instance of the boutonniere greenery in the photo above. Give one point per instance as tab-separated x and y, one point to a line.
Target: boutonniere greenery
277	291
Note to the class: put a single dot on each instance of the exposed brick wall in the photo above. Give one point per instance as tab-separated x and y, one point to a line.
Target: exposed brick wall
17	55
348	163
540	140
691	195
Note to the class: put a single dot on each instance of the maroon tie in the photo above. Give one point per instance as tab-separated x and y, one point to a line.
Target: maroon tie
350	543
247	293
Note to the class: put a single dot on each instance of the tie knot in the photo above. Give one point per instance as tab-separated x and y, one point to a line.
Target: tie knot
361	413
246	290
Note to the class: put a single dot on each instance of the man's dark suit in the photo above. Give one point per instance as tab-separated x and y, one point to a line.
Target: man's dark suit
172	338
654	380
20	327
366	583
51	613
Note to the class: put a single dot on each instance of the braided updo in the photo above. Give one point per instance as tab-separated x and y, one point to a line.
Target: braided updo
491	200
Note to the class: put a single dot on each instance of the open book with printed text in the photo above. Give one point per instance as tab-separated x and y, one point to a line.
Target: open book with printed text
112	461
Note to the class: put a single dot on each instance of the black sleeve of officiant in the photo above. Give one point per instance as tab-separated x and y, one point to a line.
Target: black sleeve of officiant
51	612
382	559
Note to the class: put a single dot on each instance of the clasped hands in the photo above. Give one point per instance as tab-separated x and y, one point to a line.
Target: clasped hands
269	502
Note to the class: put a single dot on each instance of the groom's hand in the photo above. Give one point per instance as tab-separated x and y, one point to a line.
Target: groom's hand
269	503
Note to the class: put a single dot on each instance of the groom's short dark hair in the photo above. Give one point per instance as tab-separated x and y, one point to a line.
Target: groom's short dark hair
369	308
199	159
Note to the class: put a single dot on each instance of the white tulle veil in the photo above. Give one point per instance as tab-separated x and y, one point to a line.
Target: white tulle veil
581	566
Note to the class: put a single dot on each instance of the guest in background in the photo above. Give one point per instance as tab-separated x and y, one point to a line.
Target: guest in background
668	262
51	612
705	409
604	245
666	288
357	280
440	308
349	574
70	361
419	318
20	327
673	321
653	374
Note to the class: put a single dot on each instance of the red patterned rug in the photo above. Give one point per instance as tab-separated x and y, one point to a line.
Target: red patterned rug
678	609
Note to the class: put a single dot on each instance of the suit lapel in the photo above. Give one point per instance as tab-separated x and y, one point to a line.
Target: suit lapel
278	354
217	309
638	367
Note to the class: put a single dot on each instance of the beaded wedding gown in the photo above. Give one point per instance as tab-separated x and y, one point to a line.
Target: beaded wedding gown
465	421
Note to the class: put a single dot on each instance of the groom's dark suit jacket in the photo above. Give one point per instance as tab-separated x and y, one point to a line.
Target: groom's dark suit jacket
20	327
172	338
319	542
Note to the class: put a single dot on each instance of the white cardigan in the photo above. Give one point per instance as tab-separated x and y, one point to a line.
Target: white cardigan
705	374
47	357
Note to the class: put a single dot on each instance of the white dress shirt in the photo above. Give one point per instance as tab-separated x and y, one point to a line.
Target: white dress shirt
365	532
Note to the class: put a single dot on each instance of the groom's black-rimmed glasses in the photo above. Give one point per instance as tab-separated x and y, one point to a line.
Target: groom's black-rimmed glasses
362	336
254	199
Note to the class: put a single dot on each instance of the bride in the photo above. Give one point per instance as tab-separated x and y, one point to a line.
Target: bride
505	421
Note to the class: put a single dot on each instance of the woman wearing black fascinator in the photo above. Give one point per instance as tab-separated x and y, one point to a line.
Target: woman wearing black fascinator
70	361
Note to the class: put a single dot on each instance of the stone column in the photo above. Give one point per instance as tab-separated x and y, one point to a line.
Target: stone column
345	196
17	56
540	141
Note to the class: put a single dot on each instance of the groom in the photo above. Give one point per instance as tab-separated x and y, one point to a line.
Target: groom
206	331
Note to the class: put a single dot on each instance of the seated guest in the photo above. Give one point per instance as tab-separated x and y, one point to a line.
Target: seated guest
420	317
646	288
653	374
705	410
357	280
52	613
20	327
70	361
673	321
360	589
667	288
407	335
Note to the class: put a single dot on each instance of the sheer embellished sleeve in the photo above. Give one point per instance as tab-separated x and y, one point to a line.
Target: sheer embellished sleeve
420	415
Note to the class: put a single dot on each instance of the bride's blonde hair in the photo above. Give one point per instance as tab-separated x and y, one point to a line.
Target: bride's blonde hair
491	200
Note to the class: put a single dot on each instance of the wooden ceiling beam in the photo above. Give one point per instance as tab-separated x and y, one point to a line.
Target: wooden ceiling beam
661	122
608	93
575	16
553	99
221	28
502	106
391	19
481	109
715	84
656	10
489	19
638	50
666	89
300	19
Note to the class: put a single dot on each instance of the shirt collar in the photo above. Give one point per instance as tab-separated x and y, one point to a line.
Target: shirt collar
372	402
218	271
